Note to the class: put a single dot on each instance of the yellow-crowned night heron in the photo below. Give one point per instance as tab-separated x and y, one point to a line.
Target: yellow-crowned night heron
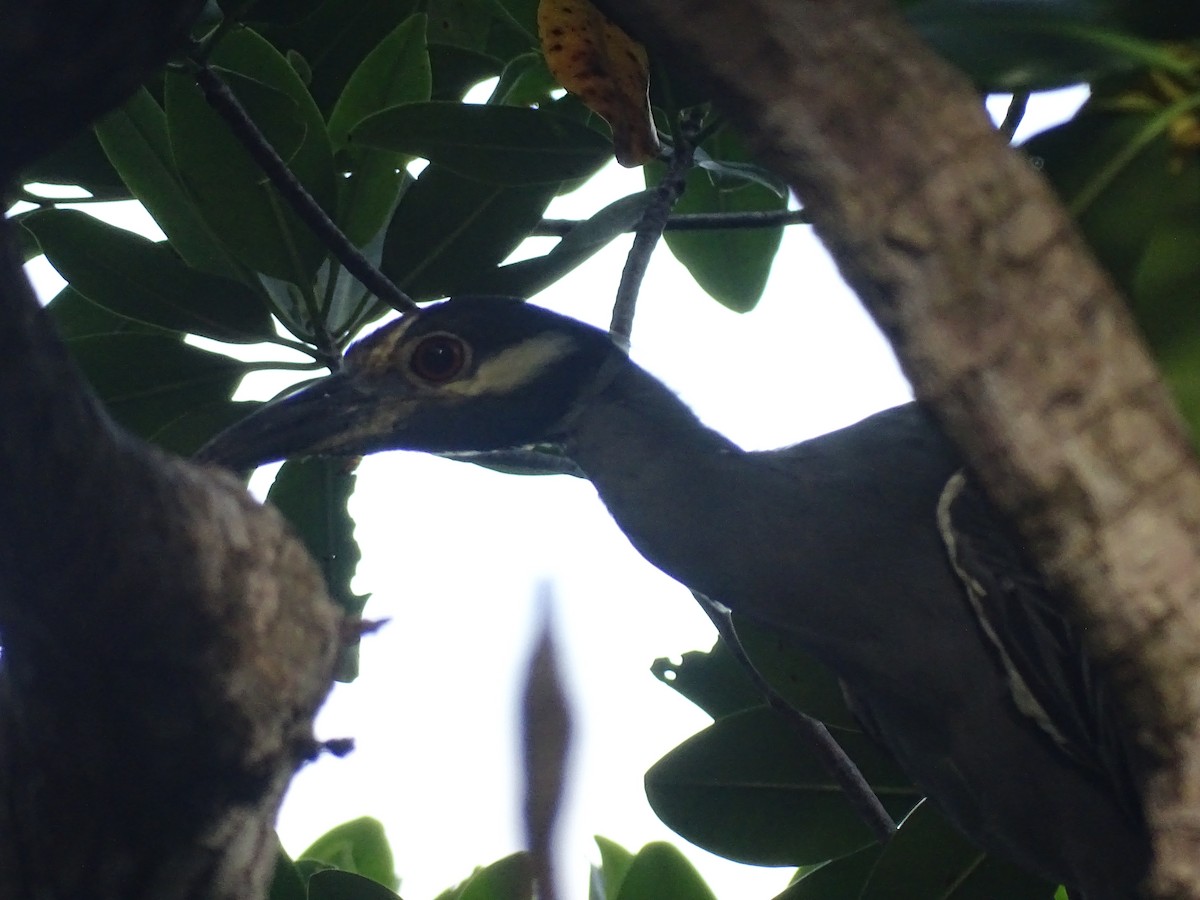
868	544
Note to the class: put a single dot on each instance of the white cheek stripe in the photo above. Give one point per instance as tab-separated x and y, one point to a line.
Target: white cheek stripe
513	368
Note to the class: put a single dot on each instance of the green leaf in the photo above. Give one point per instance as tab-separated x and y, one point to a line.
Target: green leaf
499	144
748	788
276	12
482	26
732	264
660	870
1032	45
715	681
396	71
1137	199
286	884
359	846
142	280
26	243
615	862
510	878
522	14
449	229
456	70
313	495
928	860
529	276
80	161
151	382
232	193
335	37
525	81
135	139
331	884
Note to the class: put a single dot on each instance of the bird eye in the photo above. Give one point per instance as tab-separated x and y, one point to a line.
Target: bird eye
438	358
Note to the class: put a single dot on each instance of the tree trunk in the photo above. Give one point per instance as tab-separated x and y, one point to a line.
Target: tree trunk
166	640
1006	326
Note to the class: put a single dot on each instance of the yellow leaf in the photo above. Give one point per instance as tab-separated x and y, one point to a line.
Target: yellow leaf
594	59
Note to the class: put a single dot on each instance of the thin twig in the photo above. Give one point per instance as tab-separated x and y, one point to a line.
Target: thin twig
812	731
1015	113
649	232
770	218
222	99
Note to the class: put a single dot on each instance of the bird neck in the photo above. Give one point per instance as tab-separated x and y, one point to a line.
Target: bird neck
776	536
669	481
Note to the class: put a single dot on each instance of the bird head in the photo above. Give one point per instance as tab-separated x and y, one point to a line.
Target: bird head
473	373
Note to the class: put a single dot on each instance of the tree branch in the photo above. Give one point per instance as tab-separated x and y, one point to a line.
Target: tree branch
1006	326
649	232
167	642
770	218
221	99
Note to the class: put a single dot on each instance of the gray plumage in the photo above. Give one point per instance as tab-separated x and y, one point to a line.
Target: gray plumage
842	541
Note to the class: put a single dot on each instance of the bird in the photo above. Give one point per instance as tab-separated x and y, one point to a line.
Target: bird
873	546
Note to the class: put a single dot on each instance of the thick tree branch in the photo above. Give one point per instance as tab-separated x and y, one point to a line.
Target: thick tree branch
1004	323
167	641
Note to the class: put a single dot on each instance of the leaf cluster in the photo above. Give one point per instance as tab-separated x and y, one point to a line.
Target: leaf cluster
363	99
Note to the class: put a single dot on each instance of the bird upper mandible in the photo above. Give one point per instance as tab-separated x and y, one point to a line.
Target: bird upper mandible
868	545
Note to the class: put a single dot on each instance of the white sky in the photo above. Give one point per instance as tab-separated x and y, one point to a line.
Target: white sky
453	556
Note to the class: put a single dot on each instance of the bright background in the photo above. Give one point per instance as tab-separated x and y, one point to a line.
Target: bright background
455	557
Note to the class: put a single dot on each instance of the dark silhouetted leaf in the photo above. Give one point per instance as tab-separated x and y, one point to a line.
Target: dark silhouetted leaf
335	37
331	884
456	70
838	879
529	276
232	193
1031	45
751	768
396	71
286	884
795	675
154	384
145	281
313	494
80	161
135	139
449	229
499	144
715	681
928	860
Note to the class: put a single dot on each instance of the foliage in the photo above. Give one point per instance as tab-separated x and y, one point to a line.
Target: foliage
350	93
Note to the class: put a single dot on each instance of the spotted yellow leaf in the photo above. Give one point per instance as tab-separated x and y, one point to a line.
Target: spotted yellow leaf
594	59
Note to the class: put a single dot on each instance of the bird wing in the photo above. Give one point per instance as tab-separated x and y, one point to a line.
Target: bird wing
1051	675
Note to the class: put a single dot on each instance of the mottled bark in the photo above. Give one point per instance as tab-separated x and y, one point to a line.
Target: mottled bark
166	640
1004	323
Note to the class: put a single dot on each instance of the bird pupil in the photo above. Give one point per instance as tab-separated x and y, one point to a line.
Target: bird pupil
438	358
